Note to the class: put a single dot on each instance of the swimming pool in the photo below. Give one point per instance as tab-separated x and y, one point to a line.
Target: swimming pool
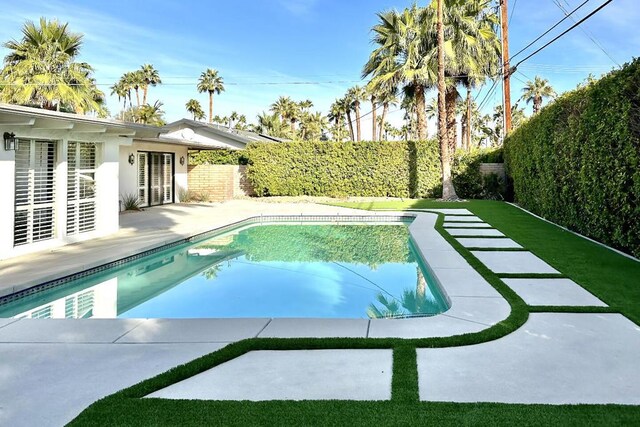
350	270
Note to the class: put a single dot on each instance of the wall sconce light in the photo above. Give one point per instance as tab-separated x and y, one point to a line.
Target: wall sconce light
182	160
10	141
132	159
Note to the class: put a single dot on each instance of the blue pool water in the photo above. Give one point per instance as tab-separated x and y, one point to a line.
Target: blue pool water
324	271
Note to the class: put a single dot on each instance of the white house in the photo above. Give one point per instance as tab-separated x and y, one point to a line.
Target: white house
62	175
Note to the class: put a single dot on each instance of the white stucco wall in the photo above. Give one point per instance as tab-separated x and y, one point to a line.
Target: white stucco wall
129	173
107	200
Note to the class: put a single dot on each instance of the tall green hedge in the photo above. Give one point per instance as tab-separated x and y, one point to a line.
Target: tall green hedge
218	157
577	162
391	168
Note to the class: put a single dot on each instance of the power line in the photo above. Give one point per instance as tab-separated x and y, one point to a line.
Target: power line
549	30
565	32
588	34
515	3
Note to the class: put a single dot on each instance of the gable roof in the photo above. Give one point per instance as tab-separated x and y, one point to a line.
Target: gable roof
242	136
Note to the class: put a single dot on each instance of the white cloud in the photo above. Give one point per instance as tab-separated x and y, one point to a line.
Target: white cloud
298	7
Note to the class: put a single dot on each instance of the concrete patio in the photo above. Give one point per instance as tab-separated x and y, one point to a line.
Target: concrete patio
82	360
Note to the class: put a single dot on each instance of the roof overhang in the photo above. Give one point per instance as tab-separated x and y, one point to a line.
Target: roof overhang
39	119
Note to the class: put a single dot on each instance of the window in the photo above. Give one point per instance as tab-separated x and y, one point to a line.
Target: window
81	187
34	218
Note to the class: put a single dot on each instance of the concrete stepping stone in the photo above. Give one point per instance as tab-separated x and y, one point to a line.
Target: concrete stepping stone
292	375
514	262
472	242
454	218
560	292
466	225
555	358
471	232
194	330
446	211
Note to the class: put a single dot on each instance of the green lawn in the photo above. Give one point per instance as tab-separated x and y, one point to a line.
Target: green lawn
611	277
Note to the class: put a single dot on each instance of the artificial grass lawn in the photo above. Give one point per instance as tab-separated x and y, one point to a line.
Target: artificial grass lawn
609	276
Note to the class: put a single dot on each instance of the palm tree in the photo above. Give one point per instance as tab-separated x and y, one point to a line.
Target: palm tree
40	70
357	94
345	103
270	124
121	91
210	82
404	55
388	97
535	91
288	111
194	108
372	90
150	114
150	77
337	111
313	126
232	118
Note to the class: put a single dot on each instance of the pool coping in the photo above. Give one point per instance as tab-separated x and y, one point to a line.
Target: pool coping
473	308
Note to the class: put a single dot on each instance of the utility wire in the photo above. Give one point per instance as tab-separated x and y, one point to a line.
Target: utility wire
513	9
549	30
564	32
588	34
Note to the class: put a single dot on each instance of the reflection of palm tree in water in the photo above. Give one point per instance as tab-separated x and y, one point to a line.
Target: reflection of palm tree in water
212	272
412	302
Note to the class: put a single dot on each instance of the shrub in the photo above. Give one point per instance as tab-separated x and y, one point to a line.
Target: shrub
577	162
337	169
218	157
130	202
467	179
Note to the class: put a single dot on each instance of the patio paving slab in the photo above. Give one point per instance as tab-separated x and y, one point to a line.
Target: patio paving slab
457	218
502	243
471	232
466	225
67	330
446	258
446	211
482	310
292	375
50	384
316	328
5	322
513	262
555	358
194	330
465	282
561	292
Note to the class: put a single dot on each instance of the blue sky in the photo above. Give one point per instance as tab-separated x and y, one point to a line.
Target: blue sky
257	45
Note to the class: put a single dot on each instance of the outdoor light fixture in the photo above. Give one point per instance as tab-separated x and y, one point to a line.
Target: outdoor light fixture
10	141
132	159
182	160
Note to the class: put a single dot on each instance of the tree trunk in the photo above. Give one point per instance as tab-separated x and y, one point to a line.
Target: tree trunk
537	101
468	129
144	95
293	126
210	107
350	125
374	115
358	130
448	191
451	97
385	110
420	112
137	97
